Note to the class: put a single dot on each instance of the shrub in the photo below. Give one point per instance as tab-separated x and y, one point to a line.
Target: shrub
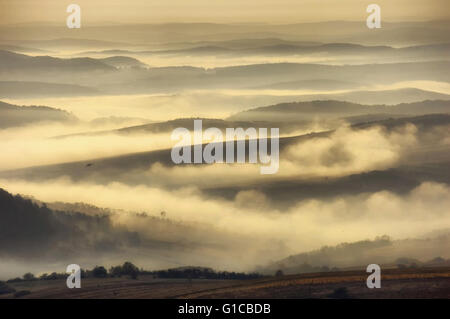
29	276
44	276
99	272
115	271
130	270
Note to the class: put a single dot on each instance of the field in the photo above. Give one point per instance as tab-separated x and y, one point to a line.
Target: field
395	283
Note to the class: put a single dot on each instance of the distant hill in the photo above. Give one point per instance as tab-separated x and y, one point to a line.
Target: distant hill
123	62
10	62
382	250
334	109
35	231
392	33
318	84
25	89
241	44
277	47
374	97
13	115
136	80
69	43
128	168
389	97
41	235
365	114
170	79
20	49
169	126
337	49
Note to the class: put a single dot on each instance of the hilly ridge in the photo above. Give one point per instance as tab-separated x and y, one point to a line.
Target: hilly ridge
330	108
13	115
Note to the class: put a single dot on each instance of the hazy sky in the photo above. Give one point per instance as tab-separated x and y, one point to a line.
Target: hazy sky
276	11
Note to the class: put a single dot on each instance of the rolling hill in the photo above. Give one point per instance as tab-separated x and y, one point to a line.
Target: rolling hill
14	62
335	109
13	115
27	89
277	47
418	167
382	250
101	75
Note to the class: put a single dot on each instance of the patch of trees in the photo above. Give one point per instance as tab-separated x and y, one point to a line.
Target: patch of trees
31	230
321	260
99	272
128	269
13	115
405	262
202	273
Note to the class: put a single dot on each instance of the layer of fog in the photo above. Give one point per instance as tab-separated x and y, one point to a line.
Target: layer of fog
342	153
215	61
249	229
36	144
212	60
260	232
398	33
206	103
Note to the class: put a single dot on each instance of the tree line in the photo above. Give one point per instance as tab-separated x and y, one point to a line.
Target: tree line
130	270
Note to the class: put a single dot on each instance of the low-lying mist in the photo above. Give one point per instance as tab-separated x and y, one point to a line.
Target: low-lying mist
230	230
36	145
